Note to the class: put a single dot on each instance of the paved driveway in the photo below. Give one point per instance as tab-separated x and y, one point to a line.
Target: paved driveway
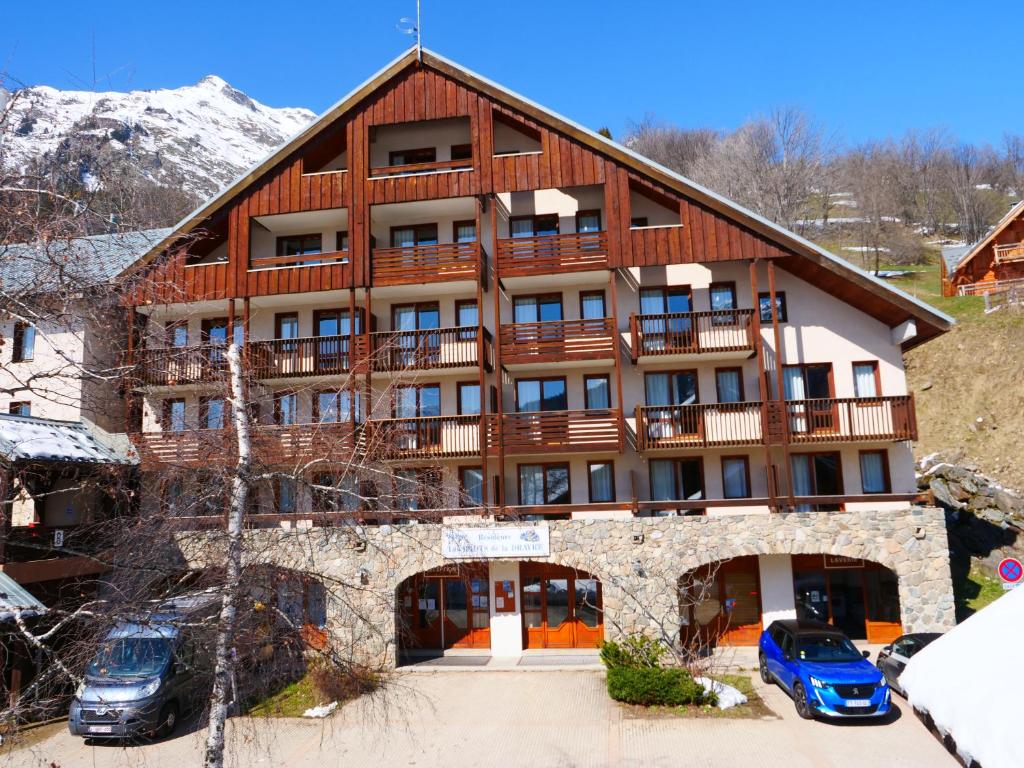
501	719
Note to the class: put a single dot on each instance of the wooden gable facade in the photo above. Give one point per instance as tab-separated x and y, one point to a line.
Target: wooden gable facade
996	260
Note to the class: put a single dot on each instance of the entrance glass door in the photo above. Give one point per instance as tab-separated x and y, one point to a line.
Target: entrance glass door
561	608
446	608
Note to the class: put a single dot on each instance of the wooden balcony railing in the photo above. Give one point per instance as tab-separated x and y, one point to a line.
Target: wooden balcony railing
424	437
1009	252
434	167
180	365
557	341
596	429
692	333
698	426
299	260
851	419
308	356
416	264
430	349
992	286
552	254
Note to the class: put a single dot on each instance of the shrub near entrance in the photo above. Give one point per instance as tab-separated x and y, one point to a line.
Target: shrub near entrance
635	675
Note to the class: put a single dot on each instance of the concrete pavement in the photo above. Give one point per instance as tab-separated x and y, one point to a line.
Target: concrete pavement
506	718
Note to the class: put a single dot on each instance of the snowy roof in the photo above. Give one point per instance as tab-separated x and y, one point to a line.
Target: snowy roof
14	597
968	681
80	261
28	438
953	255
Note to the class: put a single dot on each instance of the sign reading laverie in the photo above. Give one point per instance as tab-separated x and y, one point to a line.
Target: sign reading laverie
495	542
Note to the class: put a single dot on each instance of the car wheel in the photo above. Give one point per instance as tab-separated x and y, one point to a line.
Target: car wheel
762	666
800	701
168	720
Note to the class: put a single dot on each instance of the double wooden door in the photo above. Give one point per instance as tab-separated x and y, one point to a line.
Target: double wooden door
561	608
446	608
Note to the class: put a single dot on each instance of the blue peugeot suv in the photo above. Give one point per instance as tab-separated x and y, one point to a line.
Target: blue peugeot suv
822	670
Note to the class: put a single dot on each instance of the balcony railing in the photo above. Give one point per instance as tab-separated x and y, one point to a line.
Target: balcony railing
992	286
299	260
851	419
180	365
557	341
698	426
431	349
1009	252
552	254
692	333
595	429
440	263
308	356
432	167
424	437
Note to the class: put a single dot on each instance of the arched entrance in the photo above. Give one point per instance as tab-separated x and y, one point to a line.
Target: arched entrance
720	604
447	607
562	607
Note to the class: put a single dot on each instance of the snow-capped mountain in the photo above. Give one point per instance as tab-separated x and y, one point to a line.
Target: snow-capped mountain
199	136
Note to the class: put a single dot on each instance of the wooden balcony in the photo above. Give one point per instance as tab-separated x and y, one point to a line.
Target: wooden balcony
301	260
557	341
721	333
1009	252
552	254
703	425
180	365
441	263
437	166
536	432
851	419
308	356
423	437
432	349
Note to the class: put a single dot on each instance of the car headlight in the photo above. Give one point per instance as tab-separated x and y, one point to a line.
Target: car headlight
818	683
149	688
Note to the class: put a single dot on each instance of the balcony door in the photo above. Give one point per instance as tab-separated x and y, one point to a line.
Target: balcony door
418	405
533	226
533	395
413	235
665	392
333	331
215	337
537	309
562	607
817	474
813	388
413	346
665	322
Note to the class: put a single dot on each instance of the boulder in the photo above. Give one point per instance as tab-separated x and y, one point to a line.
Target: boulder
942	495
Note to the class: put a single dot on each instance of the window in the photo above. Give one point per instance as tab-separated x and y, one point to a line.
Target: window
874	472
411	348
412	156
537	309
676	480
764	301
286	326
588	221
660	301
286	495
601	476
174	415
299	245
462	151
803	382
729	385
735	477
723	297
671	388
544	484
816	474
333	406
468	398
212	414
592	306
533	226
20	408
464	231
866	380
597	391
409	236
638	221
24	343
467	315
286	408
334	493
471	483
341	240
541	395
416	400
176	334
417	489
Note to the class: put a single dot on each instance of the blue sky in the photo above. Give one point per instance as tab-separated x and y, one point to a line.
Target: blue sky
864	69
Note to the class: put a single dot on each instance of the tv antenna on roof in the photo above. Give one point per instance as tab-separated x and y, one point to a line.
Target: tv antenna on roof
408	27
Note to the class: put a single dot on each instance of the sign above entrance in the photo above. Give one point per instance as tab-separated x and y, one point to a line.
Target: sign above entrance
505	541
839	561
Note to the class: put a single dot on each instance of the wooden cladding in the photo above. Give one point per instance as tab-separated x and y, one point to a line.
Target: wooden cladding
692	333
851	419
538	432
552	254
435	348
1009	252
698	425
426	264
557	341
665	245
414	168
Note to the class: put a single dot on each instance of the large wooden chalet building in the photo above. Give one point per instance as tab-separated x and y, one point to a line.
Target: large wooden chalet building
535	327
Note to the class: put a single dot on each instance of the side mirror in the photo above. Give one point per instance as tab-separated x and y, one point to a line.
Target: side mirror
887	648
867	654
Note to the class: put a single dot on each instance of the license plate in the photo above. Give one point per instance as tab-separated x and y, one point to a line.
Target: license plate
858	703
101	729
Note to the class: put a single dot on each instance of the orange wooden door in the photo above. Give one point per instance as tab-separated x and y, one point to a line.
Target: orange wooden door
588	613
561	609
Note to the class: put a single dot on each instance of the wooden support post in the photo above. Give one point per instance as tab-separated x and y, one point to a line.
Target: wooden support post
499	406
616	350
352	359
780	394
481	369
762	384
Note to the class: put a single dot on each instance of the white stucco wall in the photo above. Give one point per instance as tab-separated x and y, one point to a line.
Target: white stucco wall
777	601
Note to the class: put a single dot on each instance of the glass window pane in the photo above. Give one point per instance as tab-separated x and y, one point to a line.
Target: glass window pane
178	335
663	480
678	300
592	305
521	227
597	394
531	484
214	414
455	608
589	222
826	474
550	309
465	233
656	389
527	395
558	485
691	479
289	327
430	401
558	602
872	472
734	476
728	386
177	414
684	388
864	383
602	482
818	381
469	399
532	602
403	238
652	301
468	314
723	297
472	486
328	406
554	395
546	225
588	602
525	309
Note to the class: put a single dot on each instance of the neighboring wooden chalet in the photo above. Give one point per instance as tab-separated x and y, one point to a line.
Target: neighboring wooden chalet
994	263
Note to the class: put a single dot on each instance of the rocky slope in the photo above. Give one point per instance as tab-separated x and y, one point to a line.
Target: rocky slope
199	136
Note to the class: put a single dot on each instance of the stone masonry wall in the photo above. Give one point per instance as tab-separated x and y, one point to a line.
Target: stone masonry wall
638	561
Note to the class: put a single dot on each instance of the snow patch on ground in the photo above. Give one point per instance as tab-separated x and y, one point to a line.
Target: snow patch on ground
728	696
969	682
322	710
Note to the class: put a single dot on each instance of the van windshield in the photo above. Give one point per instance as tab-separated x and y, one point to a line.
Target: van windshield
828	648
130	657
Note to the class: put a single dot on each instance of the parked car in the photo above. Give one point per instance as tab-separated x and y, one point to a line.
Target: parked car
893	658
147	673
821	670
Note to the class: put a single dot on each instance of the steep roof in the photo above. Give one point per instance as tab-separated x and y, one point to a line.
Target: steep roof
29	438
819	266
79	261
973	250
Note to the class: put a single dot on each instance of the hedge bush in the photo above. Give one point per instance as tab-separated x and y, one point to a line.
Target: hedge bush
635	651
655	686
